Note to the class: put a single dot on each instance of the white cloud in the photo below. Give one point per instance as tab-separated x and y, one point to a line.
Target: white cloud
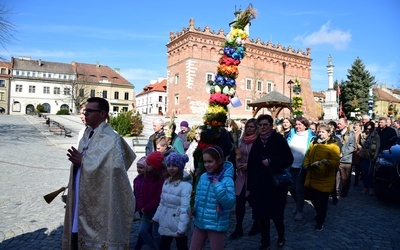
141	77
97	33
326	35
41	54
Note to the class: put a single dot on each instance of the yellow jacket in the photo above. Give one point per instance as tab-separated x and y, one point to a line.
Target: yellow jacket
322	176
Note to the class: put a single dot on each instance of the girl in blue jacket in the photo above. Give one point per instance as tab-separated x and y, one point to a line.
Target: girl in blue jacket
215	197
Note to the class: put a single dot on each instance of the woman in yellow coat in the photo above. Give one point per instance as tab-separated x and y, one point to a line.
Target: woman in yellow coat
321	162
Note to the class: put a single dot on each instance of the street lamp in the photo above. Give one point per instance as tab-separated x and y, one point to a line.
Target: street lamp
284	80
290	82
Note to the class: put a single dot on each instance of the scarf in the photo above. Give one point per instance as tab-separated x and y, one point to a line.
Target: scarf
248	139
319	141
212	177
264	137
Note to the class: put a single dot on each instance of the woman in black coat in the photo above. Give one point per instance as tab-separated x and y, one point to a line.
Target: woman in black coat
269	154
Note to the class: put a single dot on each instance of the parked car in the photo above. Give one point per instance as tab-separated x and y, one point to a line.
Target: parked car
2	110
387	173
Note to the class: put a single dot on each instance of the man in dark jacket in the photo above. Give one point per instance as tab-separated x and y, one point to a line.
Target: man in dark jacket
183	134
158	127
387	134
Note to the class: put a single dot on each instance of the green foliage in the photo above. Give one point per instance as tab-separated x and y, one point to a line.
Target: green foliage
127	124
63	112
40	108
137	124
354	91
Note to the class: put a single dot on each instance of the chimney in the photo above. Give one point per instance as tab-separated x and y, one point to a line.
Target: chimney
24	58
40	62
97	64
117	70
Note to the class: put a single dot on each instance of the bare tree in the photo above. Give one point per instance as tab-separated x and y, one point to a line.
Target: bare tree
7	29
80	90
257	75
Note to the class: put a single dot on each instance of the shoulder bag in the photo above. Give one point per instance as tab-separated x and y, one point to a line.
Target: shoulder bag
282	179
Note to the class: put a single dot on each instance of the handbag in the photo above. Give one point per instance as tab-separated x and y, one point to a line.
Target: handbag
283	179
355	160
362	153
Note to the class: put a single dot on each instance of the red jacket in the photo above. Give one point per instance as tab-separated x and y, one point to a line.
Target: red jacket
149	195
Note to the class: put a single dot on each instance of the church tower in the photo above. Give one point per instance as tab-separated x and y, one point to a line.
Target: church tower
330	105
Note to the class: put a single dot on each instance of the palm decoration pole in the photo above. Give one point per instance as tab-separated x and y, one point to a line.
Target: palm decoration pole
222	89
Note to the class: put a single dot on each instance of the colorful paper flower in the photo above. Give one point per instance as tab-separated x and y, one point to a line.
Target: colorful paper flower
228	60
219	98
230	71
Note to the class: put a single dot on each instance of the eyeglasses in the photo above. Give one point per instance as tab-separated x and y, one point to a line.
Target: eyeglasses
263	124
90	111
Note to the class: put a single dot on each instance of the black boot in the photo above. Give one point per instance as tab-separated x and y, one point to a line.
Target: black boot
255	229
237	233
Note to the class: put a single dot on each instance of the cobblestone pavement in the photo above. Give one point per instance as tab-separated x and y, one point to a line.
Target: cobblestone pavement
33	163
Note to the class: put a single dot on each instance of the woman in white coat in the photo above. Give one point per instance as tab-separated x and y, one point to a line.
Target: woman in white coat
171	215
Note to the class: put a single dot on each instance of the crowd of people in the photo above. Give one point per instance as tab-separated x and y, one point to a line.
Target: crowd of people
240	169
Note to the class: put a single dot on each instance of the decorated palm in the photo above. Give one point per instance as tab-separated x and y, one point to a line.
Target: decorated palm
222	89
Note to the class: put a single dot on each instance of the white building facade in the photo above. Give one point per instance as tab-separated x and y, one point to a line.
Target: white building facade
33	82
153	98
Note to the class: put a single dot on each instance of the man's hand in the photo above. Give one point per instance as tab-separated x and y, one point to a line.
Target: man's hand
75	156
266	162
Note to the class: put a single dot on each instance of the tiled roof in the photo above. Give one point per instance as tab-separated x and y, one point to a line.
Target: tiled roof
319	94
273	96
97	73
5	64
155	87
395	91
42	66
384	96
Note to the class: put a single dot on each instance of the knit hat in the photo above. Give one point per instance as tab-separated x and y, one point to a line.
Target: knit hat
177	159
155	159
184	124
142	161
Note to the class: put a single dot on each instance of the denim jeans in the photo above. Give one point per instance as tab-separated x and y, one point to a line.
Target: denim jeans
368	173
153	239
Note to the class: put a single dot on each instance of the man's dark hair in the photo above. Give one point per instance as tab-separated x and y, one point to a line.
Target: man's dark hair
102	103
370	123
265	117
333	123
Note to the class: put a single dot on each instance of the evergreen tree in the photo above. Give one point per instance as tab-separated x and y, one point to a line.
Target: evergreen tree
354	91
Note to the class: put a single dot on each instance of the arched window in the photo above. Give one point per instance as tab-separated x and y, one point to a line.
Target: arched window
16	107
64	106
29	108
46	107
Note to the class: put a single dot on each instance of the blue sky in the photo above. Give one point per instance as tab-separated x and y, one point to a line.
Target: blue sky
132	35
